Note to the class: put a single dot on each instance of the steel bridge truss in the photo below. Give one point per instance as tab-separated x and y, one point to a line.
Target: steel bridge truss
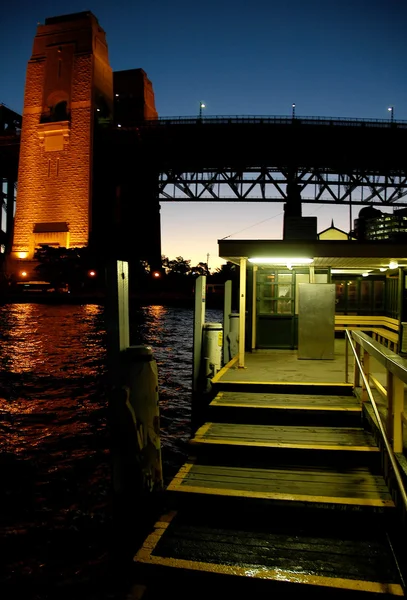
269	184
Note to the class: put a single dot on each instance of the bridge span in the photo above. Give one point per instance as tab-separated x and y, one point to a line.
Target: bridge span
254	158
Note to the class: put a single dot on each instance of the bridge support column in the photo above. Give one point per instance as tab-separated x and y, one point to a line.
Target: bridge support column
140	222
295	225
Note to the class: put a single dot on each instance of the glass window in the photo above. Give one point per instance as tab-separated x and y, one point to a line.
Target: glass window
352	296
285	293
378	296
275	293
365	295
340	296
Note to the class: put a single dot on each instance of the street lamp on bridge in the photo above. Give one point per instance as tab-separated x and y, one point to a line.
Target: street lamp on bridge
293	112
391	111
201	106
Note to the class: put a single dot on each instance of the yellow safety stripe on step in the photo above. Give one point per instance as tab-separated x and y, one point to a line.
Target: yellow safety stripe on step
288	383
273	574
203	430
176	485
271	406
199	439
182	473
224	369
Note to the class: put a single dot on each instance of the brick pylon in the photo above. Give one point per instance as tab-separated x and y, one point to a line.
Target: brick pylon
69	86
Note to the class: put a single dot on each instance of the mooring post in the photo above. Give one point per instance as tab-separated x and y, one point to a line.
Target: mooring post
133	418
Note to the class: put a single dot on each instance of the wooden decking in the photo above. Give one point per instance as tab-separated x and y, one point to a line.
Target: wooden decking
286	401
297	438
352	486
282	493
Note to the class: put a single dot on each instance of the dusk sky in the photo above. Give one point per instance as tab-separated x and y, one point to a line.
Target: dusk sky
331	57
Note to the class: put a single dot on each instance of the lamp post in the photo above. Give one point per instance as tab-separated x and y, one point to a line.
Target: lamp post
293	111
391	111
201	106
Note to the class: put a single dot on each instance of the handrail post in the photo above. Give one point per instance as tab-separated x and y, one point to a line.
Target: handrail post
356	373
366	371
395	408
346	358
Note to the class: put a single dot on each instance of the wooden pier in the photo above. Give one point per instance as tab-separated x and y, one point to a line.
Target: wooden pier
283	493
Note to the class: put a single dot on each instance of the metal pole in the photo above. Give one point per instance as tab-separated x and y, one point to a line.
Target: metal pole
242	311
227	309
254	307
391	111
199	320
346	358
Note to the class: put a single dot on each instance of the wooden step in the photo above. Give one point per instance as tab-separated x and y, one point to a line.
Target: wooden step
342	439
358	488
281	557
272	408
285	387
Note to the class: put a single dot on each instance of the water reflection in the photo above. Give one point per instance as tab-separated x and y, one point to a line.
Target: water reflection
54	447
35	340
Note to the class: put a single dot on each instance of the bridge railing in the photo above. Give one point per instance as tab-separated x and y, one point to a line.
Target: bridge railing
277	120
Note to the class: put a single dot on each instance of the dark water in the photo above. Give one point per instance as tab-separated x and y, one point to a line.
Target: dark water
55	502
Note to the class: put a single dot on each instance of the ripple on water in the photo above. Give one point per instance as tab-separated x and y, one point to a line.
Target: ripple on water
54	441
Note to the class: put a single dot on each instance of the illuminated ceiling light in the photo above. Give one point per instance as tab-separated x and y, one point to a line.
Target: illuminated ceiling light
281	261
118	125
365	274
347	271
22	254
382	269
92	273
23	273
393	264
98	109
117	95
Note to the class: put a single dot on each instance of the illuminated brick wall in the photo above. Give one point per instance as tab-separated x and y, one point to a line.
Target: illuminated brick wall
68	83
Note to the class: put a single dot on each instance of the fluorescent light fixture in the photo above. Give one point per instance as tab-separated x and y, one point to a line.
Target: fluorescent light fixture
365	274
383	269
349	271
393	264
281	261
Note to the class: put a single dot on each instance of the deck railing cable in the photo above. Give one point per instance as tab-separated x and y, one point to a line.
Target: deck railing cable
389	449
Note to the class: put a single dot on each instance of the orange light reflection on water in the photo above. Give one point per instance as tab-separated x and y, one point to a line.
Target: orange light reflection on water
53	341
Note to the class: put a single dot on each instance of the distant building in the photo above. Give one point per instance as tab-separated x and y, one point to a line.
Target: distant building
333	233
372	224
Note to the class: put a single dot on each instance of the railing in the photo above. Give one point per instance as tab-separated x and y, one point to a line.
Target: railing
278	120
396	368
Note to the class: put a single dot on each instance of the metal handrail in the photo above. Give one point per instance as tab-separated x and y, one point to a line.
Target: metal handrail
389	449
